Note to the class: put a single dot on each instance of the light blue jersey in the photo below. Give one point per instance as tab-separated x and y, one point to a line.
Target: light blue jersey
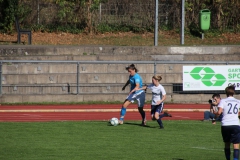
134	80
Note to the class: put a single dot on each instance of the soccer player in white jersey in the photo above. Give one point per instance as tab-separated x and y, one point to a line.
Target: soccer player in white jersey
229	107
158	97
135	80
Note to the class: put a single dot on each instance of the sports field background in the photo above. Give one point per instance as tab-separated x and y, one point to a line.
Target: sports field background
83	132
180	139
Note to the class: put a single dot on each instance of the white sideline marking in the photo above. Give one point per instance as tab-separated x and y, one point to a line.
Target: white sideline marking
204	148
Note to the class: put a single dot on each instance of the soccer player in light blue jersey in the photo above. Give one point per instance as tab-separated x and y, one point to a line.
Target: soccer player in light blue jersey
135	80
229	107
158	97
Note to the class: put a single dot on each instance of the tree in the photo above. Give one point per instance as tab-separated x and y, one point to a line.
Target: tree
8	10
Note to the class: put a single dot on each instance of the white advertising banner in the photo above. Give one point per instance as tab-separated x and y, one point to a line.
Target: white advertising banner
196	78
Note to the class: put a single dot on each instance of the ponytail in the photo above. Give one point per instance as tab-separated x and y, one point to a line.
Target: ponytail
158	78
132	67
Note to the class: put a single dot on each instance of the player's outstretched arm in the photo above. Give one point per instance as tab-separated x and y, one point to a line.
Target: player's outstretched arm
143	88
127	83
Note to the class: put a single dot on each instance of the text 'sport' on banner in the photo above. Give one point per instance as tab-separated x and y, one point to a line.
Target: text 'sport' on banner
196	78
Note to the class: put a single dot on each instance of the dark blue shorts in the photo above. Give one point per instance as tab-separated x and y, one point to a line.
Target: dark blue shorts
231	134
140	97
156	108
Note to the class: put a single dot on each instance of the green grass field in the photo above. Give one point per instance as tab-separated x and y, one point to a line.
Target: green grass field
88	140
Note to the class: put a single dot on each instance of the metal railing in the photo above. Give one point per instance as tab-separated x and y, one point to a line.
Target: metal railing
77	85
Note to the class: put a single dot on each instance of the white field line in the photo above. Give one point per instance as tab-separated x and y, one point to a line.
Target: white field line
97	110
204	148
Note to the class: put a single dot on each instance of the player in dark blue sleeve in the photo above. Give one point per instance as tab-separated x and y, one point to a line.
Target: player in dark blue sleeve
135	80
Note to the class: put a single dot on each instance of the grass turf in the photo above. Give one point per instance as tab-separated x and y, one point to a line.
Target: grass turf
98	140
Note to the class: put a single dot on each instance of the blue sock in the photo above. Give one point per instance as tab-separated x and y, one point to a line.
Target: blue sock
236	154
227	153
161	116
122	113
160	123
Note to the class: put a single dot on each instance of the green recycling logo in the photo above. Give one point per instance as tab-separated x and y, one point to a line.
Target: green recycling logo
207	76
205	18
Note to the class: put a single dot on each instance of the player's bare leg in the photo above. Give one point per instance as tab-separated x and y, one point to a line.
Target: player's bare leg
153	117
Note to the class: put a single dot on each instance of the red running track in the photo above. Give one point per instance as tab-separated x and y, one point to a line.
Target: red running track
44	113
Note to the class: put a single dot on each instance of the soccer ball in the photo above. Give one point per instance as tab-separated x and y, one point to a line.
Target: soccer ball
114	121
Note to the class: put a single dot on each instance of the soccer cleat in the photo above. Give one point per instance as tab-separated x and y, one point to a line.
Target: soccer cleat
213	122
144	123
161	128
120	122
167	114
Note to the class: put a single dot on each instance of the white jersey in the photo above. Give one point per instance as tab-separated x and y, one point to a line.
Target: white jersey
157	92
230	108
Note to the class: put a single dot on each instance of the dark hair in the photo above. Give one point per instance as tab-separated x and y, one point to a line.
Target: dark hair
132	67
230	90
216	95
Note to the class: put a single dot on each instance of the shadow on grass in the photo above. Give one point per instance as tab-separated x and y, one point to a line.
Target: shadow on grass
129	123
135	124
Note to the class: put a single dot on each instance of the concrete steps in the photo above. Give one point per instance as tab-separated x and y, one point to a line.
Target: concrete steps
48	82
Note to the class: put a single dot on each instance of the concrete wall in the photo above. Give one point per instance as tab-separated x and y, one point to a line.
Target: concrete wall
48	82
175	98
13	50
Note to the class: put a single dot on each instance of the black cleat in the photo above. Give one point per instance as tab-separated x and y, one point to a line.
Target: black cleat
144	123
167	114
